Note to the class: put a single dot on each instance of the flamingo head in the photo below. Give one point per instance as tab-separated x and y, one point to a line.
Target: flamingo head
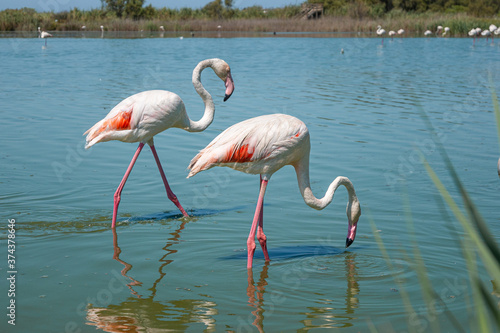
223	71
353	214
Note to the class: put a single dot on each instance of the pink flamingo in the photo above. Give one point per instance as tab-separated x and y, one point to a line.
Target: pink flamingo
43	34
263	145
140	117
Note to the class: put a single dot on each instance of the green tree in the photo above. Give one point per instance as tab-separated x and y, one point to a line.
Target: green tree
115	6
484	7
133	9
214	9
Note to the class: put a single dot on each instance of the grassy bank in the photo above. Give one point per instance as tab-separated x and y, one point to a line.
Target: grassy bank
460	24
29	20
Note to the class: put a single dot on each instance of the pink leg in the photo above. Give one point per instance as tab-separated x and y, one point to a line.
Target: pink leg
122	184
170	194
253	229
260	231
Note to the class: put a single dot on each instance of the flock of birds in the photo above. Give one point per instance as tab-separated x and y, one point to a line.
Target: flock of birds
260	145
491	31
443	32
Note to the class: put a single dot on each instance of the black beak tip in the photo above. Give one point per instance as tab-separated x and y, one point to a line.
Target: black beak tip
348	242
226	97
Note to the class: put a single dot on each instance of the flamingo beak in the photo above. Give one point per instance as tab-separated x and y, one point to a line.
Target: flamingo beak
229	86
351	234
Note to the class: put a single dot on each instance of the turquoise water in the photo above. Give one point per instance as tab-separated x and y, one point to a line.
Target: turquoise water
160	271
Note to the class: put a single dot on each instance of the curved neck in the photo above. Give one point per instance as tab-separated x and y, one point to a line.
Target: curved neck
302	170
208	116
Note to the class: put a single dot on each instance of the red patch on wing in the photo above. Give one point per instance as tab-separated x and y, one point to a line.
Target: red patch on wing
239	155
119	122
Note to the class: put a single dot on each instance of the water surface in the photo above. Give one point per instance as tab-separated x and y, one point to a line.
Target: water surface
160	271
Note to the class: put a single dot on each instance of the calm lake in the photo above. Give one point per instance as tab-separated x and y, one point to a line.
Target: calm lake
160	272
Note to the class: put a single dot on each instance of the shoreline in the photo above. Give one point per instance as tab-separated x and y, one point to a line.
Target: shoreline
415	24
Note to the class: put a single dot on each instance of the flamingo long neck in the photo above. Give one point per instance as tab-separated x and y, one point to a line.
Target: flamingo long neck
208	116
302	170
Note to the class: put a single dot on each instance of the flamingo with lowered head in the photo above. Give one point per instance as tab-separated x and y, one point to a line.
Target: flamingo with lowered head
140	117
263	145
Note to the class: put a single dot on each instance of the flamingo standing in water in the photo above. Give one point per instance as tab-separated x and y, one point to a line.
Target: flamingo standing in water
140	117
487	34
473	34
381	32
263	145
43	34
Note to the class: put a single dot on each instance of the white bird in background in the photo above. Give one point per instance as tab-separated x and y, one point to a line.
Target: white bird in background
162	28
478	32
427	33
493	29
392	33
473	33
446	31
497	32
140	117
43	34
102	31
438	30
84	27
401	32
487	34
261	146
381	32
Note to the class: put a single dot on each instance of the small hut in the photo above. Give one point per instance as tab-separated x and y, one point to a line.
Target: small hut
311	11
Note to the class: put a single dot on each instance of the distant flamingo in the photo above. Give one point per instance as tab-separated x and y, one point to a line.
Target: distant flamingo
493	28
43	34
263	145
381	32
446	31
438	30
392	33
473	34
427	33
487	34
140	117
401	32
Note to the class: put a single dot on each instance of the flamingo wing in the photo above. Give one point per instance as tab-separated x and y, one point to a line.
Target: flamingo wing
258	145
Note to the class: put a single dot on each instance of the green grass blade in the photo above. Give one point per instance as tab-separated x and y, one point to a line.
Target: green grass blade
490	305
490	262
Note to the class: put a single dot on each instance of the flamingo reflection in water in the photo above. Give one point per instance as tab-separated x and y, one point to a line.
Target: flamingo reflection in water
256	292
138	313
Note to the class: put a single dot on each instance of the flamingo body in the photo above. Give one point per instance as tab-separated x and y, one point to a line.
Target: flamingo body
263	145
140	117
260	145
